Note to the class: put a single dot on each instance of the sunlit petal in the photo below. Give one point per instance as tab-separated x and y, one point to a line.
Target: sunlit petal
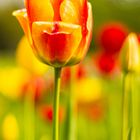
57	47
39	10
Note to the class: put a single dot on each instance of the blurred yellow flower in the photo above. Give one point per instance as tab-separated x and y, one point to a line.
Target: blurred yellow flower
27	59
88	89
10	129
12	80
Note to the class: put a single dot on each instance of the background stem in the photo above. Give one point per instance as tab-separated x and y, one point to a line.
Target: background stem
70	132
29	117
129	109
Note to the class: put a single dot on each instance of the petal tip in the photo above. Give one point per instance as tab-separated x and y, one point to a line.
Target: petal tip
19	12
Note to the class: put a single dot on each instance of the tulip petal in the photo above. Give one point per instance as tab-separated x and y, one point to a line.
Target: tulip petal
69	11
56	47
56	7
39	10
84	16
21	15
85	42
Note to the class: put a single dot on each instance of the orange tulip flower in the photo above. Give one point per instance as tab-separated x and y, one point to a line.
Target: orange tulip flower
59	31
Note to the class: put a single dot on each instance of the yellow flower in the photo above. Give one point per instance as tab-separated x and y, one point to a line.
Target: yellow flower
12	80
88	90
27	59
10	129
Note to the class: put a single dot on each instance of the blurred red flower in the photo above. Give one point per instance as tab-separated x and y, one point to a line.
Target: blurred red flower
96	110
106	63
79	73
46	112
35	86
139	38
112	36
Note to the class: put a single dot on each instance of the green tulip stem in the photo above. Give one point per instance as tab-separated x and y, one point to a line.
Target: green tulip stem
56	104
129	108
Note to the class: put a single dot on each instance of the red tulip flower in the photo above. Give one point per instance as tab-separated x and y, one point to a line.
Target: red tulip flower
59	31
112	37
139	38
106	63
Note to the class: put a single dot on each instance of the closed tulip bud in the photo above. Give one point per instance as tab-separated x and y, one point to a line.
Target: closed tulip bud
59	31
130	54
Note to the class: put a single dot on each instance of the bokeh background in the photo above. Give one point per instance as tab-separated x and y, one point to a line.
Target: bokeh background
26	88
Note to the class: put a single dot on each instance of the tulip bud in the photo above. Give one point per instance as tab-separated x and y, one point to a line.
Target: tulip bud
130	54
